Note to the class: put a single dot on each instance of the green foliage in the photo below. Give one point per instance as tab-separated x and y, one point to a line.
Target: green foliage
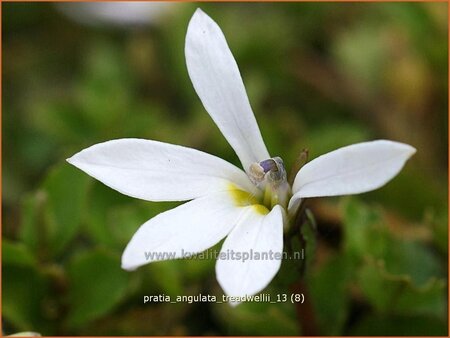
400	326
17	254
396	276
396	294
300	243
309	235
329	290
258	319
51	221
64	215
319	76
23	305
107	286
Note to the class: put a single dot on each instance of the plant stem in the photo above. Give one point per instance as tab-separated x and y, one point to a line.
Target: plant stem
305	312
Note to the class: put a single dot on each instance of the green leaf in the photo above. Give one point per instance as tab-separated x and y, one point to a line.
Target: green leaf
52	215
32	225
396	294
104	90
422	191
254	318
412	259
362	230
15	253
429	299
309	233
439	224
396	275
102	200
168	276
367	236
66	190
113	218
24	290
97	284
329	291
61	121
399	326
124	220
199	269
300	245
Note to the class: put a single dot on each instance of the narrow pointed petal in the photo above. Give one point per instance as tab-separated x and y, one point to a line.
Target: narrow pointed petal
157	171
218	83
190	228
255	234
353	169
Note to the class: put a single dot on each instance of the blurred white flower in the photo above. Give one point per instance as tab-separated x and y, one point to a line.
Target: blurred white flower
248	207
116	13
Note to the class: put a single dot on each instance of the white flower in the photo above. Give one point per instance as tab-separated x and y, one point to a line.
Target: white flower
247	207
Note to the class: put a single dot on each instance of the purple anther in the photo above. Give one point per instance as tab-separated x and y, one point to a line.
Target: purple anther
268	165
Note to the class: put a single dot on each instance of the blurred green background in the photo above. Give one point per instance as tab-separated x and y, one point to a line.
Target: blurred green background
319	76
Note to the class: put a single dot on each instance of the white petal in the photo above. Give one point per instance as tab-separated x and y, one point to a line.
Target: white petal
157	171
190	228
351	170
255	234
218	83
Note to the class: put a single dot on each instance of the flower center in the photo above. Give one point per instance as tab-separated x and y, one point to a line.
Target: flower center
270	176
